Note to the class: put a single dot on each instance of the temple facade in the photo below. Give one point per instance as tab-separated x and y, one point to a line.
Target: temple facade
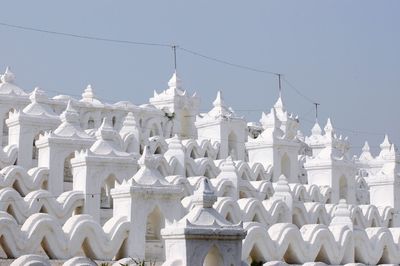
161	183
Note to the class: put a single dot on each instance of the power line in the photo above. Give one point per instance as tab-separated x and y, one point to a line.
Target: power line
299	92
173	46
225	62
87	37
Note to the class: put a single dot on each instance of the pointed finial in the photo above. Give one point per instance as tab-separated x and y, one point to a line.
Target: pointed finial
37	95
385	145
316	129
279	103
365	148
70	115
219	101
8	76
204	195
146	160
328	127
175	82
105	131
393	148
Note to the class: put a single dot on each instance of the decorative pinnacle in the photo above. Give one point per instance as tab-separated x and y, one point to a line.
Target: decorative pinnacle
328	127
279	103
175	82
219	101
270	120
365	148
8	76
105	131
88	93
129	120
282	185
37	95
70	115
385	145
204	196
147	159
316	129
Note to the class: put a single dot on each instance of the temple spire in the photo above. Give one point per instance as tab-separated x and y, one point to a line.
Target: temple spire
385	145
366	148
8	76
175	82
219	101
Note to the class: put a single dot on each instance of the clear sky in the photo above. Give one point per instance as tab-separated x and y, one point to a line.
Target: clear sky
343	54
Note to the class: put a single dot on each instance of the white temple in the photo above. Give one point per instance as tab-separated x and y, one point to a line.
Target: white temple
163	184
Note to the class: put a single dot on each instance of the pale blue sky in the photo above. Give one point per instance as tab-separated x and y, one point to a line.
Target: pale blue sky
343	54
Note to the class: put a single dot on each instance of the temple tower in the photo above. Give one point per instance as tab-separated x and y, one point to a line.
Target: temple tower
180	108
57	148
277	146
203	236
330	164
222	125
149	202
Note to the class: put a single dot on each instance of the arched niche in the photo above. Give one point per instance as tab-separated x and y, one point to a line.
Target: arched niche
285	166
5	127
213	257
343	187
185	122
154	242
255	257
232	145
90	123
106	201
68	168
35	151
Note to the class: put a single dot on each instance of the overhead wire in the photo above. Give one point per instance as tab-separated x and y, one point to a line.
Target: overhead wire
87	37
181	48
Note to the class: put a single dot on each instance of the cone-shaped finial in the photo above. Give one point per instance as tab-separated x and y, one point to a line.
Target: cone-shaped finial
219	101
70	115
148	173
385	145
37	94
316	129
8	76
205	195
144	159
105	131
279	103
365	148
175	82
328	127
